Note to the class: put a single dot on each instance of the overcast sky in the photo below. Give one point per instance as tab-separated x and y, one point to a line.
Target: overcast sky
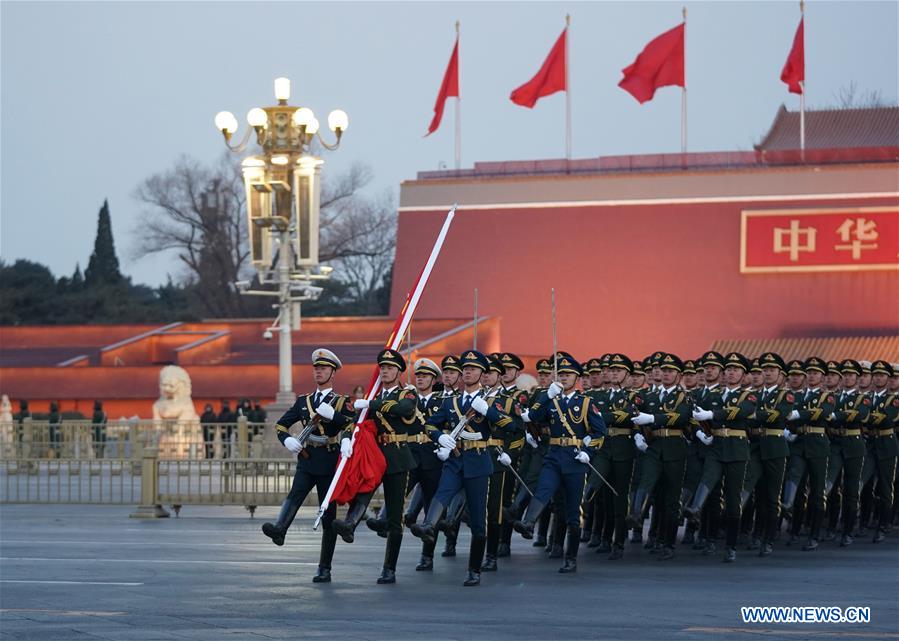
98	96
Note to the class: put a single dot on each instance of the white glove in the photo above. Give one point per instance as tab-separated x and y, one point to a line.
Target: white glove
346	448
325	411
526	415
587	440
447	441
531	440
360	404
793	416
641	443
554	390
293	445
443	453
707	440
790	436
702	415
582	457
643	419
504	459
480	406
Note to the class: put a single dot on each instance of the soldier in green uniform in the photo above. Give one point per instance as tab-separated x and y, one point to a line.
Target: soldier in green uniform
810	420
394	411
728	449
847	447
752	523
615	456
514	444
666	453
506	432
649	400
690	383
451	375
328	414
594	495
881	425
707	397
774	405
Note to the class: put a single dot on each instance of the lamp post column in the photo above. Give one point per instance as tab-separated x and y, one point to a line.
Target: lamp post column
285	348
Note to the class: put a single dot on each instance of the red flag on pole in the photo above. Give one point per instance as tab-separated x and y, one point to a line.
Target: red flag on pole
549	80
449	88
660	64
793	73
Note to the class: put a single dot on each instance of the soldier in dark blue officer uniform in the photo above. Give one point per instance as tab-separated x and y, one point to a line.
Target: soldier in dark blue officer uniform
470	468
574	420
330	414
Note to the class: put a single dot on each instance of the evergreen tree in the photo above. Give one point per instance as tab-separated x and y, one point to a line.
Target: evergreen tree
77	281
103	267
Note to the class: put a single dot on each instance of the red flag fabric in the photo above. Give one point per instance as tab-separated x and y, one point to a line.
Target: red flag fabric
660	64
364	469
449	88
550	79
793	73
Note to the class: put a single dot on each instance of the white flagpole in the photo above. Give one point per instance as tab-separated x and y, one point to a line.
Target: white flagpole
802	86
683	96
459	103
567	89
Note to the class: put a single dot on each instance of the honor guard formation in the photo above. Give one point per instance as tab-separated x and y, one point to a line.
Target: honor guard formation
743	453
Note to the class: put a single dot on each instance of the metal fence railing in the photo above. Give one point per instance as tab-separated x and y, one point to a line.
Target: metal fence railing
179	440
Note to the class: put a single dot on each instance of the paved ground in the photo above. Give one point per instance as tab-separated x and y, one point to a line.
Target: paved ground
89	572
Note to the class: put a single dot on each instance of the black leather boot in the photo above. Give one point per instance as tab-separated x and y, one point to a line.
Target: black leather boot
378	524
573	543
525	527
815	530
346	527
634	520
557	547
425	564
416	504
426	530
789	498
391	554
617	552
693	512
278	530
329	540
514	511
730	538
489	564
542	529
505	540
475	556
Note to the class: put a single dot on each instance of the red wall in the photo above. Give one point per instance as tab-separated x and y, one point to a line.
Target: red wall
631	278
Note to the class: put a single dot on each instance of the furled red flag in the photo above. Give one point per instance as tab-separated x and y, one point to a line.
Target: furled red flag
365	467
660	64
793	73
449	88
550	79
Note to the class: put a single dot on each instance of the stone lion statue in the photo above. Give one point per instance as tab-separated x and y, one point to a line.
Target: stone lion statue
178	425
174	403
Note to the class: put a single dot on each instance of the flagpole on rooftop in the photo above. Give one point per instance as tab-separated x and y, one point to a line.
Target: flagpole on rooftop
567	91
458	108
802	85
683	95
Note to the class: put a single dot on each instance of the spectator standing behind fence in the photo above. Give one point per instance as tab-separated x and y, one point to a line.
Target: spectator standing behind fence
208	420
99	424
258	415
53	432
228	418
358	392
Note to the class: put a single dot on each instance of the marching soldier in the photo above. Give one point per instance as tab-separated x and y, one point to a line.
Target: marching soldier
707	397
324	415
666	453
573	419
469	469
810	420
595	493
514	444
728	450
881	424
847	447
394	413
429	467
615	455
451	375
506	432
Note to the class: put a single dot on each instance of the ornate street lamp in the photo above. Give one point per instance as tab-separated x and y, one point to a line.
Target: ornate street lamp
283	185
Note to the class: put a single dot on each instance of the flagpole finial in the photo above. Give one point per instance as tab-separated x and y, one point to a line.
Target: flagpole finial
801	6
684	12
567	19
458	24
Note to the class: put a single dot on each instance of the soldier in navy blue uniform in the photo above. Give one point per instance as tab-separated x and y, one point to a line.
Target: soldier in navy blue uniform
574	420
316	458
470	468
